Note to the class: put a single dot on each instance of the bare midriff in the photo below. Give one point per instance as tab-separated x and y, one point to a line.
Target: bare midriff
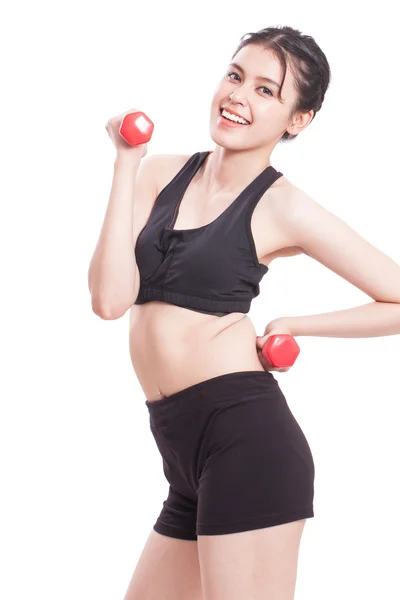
172	348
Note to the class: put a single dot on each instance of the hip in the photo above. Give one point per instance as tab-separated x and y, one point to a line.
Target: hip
238	422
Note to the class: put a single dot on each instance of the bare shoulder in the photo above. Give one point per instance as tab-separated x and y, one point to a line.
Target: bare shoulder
166	166
290	205
281	193
281	200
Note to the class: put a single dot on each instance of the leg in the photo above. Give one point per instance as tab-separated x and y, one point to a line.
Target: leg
168	569
252	565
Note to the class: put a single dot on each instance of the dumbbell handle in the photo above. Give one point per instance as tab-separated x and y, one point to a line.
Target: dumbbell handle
281	350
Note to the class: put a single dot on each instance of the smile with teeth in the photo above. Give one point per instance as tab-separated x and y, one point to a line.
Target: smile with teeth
232	117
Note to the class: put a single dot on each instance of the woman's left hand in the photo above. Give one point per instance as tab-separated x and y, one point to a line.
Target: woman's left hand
274	327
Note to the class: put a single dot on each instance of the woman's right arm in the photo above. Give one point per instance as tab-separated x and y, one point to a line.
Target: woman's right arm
113	272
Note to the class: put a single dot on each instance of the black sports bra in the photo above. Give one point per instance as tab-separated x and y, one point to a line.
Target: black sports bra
212	269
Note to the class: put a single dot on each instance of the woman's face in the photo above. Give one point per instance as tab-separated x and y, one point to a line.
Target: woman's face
253	98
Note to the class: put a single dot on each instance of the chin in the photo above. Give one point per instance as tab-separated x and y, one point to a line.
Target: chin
218	137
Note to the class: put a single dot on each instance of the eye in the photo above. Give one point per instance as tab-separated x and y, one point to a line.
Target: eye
269	93
265	88
233	73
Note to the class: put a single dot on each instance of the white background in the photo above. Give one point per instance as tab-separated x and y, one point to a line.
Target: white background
81	478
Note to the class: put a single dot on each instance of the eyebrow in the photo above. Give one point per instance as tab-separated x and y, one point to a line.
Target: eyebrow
237	66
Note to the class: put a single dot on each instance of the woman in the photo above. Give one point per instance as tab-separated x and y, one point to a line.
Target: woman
205	228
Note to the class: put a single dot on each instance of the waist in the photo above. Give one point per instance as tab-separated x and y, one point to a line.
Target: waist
172	348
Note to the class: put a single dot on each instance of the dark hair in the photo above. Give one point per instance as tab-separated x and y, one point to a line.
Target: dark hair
309	65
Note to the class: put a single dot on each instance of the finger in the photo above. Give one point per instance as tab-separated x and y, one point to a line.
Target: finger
264	363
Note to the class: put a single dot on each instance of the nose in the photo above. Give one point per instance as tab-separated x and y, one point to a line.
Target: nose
238	96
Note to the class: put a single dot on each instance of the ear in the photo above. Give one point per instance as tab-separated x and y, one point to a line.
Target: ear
300	122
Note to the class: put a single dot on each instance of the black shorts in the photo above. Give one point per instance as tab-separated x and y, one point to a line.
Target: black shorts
234	456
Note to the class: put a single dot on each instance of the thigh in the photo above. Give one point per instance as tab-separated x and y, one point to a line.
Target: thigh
168	569
260	564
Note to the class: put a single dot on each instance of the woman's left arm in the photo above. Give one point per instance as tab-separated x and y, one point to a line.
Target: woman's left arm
329	240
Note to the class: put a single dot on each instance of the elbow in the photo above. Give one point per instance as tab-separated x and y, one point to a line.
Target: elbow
111	311
108	314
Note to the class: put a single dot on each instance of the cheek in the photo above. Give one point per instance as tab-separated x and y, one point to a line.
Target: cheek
269	112
221	91
216	102
214	107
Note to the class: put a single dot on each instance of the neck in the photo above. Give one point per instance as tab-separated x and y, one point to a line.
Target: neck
227	171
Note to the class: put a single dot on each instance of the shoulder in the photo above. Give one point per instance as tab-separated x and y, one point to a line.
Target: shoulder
281	198
165	166
288	206
291	204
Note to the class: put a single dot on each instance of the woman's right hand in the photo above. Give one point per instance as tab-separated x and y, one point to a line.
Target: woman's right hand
112	126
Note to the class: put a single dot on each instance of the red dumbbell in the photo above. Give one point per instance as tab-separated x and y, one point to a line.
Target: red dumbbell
136	128
281	350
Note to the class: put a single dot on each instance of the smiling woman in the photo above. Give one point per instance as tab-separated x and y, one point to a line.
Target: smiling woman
204	232
206	227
